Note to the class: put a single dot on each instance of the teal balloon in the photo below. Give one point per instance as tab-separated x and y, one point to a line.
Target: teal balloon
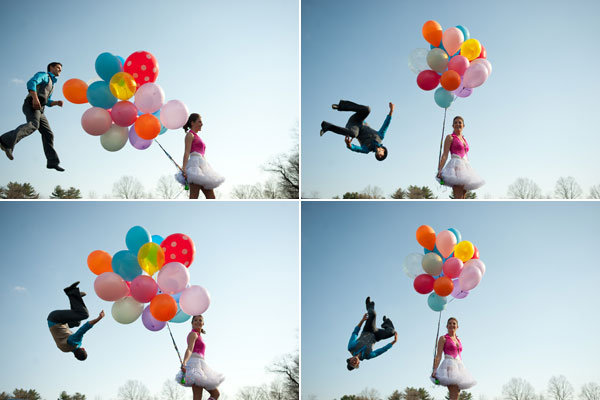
162	127
456	234
436	303
465	31
443	98
136	237
107	65
99	95
180	316
125	264
159	239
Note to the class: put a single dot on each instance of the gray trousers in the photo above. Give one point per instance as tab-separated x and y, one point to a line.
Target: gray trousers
354	123
36	120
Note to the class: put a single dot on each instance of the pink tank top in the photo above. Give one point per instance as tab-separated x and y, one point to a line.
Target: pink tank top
450	347
199	346
457	147
198	145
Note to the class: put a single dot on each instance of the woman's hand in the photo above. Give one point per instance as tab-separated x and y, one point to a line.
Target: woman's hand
439	175
183	369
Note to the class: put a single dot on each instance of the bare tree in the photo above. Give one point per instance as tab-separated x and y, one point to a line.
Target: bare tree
128	187
286	168
370	394
133	390
524	188
288	367
518	389
411	393
172	391
168	188
253	393
567	188
559	388
590	391
595	192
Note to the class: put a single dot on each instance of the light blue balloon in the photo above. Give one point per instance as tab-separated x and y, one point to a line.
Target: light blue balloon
456	234
180	316
157	239
107	65
99	95
443	98
436	303
125	264
465	31
136	237
162	127
122	60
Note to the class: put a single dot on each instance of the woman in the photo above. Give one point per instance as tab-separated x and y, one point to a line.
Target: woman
458	173
194	370
196	170
451	373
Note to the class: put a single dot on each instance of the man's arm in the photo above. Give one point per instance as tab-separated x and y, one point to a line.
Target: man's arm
386	123
354	336
76	338
385	348
32	87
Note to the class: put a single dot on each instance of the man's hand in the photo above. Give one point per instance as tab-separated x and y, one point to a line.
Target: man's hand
95	320
364	318
348	140
36	103
57	103
395	338
391	108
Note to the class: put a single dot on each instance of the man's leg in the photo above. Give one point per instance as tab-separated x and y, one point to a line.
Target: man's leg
326	126
370	325
48	142
10	139
360	113
387	330
77	313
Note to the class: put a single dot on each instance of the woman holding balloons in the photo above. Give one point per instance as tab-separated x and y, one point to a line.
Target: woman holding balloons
196	170
194	370
452	372
458	173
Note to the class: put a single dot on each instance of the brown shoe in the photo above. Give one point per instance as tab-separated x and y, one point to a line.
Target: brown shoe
7	150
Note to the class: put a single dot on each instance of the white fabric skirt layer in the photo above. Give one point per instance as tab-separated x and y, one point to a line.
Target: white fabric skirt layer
200	172
452	371
198	373
458	172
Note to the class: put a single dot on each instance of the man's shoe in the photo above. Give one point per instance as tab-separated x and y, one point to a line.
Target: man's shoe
370	304
7	151
334	106
74	324
323	128
56	167
73	286
82	293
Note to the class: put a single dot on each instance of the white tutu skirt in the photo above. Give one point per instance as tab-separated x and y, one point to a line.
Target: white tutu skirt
200	374
458	172
200	172
452	371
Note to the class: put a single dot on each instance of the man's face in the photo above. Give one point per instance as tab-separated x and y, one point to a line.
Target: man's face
354	361
56	70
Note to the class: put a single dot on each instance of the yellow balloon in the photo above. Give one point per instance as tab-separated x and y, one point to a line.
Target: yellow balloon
464	251
471	48
151	258
122	85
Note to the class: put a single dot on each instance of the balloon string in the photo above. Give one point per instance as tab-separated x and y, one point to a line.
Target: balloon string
174	162
175	344
436	339
442	139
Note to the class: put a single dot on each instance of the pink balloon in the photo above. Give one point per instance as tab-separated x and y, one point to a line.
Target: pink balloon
96	121
124	113
457	292
462	91
452	39
178	248
143	288
486	63
452	267
475	75
424	283
173	278
174	114
428	79
469	277
459	64
149	98
194	300
445	242
476	263
110	287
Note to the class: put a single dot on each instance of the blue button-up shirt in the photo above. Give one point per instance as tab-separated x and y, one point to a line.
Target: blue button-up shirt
41	77
380	132
361	352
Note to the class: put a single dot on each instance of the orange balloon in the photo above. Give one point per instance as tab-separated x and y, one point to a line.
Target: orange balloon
450	80
426	237
147	126
443	286
163	307
432	32
75	90
99	262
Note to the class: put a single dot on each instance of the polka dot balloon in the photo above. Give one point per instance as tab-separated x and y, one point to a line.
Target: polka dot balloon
142	66
179	248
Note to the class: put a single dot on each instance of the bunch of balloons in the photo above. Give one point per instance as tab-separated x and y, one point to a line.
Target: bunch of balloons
112	116
455	61
449	266
127	279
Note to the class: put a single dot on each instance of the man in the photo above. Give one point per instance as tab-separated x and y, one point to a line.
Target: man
370	140
40	95
361	347
59	322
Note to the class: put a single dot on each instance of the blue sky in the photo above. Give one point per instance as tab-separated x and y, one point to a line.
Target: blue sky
235	63
532	315
533	118
246	256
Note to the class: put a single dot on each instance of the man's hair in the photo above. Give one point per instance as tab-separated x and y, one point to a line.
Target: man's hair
80	353
350	367
53	64
384	156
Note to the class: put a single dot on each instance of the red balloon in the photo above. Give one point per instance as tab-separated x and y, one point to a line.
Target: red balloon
178	248
475	253
142	66
424	283
428	79
483	53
